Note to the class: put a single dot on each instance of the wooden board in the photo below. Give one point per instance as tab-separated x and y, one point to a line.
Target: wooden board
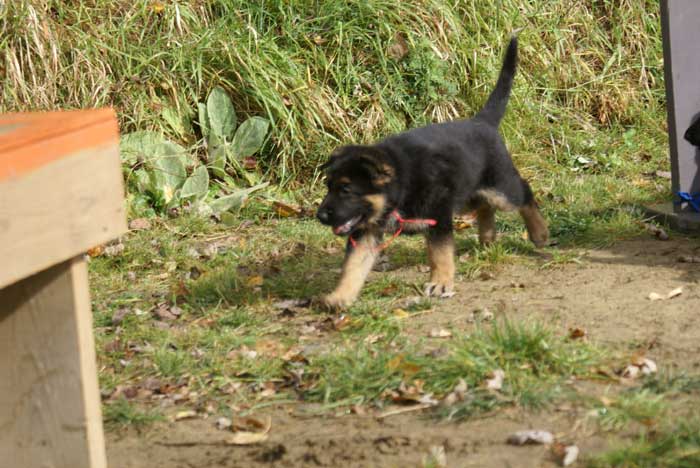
61	189
49	399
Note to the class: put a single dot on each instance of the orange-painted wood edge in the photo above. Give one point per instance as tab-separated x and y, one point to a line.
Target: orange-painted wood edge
40	138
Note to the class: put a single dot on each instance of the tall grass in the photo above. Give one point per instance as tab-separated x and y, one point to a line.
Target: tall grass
332	71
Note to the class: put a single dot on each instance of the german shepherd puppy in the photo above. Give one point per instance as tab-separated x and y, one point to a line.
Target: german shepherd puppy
429	173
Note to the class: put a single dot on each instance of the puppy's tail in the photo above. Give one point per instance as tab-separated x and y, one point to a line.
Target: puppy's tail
495	107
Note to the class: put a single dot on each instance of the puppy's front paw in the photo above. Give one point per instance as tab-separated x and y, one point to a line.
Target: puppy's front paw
439	289
335	302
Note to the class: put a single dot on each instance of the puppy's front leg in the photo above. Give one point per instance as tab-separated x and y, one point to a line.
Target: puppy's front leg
357	265
441	253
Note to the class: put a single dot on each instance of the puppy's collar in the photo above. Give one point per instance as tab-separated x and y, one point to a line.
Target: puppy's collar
401	221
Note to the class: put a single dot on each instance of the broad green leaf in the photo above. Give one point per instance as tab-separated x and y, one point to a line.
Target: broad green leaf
203	119
168	170
222	116
197	184
217	160
139	145
235	200
141	181
249	137
202	209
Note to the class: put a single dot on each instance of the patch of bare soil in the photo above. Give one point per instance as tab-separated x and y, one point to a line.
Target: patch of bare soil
605	292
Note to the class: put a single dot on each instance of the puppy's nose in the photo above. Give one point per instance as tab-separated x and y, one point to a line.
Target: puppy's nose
324	215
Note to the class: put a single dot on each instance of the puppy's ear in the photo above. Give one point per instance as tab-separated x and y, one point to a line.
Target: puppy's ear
335	156
376	164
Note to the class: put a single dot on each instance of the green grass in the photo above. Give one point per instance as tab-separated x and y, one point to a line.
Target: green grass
123	413
673	446
534	360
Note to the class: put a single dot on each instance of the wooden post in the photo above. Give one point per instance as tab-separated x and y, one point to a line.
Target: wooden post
681	35
48	389
61	193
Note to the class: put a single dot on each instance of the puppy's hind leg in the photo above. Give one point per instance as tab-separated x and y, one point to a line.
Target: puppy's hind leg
356	266
486	220
537	229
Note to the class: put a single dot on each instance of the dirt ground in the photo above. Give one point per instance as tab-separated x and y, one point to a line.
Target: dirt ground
604	292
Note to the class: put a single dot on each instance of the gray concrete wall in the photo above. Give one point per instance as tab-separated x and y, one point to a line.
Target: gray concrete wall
680	20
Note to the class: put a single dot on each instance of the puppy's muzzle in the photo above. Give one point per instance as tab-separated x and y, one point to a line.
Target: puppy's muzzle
325	214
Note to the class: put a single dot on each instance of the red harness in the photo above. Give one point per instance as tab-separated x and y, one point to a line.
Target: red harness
401	221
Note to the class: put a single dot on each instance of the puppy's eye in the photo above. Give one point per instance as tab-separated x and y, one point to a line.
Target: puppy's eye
345	188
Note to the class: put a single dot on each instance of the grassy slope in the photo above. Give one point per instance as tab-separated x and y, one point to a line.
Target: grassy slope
335	71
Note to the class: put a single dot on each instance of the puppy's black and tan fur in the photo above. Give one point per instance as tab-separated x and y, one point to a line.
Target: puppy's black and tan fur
431	172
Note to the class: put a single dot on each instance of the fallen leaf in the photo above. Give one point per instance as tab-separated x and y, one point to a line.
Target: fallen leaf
249	162
484	314
270	348
675	293
187	414
407	368
640	365
114	249
119	314
410	394
96	251
655	296
439	333
223	423
291	303
630	372
268	389
400	313
486	275
670	295
530	437
373	338
139	224
285	210
247	437
656	231
576	333
565	455
254	281
341	322
457	394
606	401
399	48
294	354
495	380
164	311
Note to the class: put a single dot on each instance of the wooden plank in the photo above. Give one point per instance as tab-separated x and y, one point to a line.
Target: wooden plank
49	398
60	210
28	141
